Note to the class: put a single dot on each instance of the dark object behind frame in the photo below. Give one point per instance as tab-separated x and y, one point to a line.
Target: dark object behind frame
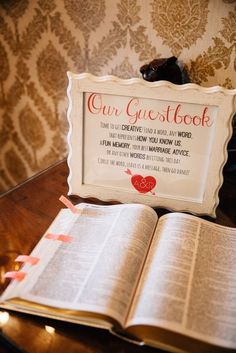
168	69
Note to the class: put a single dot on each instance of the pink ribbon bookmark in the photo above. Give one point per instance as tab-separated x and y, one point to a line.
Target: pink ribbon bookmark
19	276
25	258
61	237
68	204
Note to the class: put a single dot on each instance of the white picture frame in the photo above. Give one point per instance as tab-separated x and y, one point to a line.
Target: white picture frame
155	143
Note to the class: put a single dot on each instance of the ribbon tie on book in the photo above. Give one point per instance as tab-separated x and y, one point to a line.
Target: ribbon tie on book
29	259
69	204
62	237
17	275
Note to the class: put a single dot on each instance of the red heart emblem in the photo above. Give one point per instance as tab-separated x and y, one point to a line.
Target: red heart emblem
143	184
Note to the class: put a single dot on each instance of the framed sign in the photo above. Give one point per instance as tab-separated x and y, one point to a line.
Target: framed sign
156	143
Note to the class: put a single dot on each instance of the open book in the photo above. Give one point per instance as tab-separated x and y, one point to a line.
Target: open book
169	283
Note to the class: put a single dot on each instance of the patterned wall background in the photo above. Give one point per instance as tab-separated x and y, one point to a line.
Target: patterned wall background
41	39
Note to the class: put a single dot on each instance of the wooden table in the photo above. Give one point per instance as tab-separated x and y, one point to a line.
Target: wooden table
25	213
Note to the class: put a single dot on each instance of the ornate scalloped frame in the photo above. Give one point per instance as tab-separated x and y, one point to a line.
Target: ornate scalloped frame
217	96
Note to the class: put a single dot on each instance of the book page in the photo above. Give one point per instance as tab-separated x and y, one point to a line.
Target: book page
189	280
99	269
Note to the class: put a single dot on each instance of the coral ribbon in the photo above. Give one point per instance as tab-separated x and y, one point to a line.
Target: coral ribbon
62	237
25	258
19	276
69	204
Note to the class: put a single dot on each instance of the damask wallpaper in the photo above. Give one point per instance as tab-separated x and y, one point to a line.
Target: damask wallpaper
41	39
